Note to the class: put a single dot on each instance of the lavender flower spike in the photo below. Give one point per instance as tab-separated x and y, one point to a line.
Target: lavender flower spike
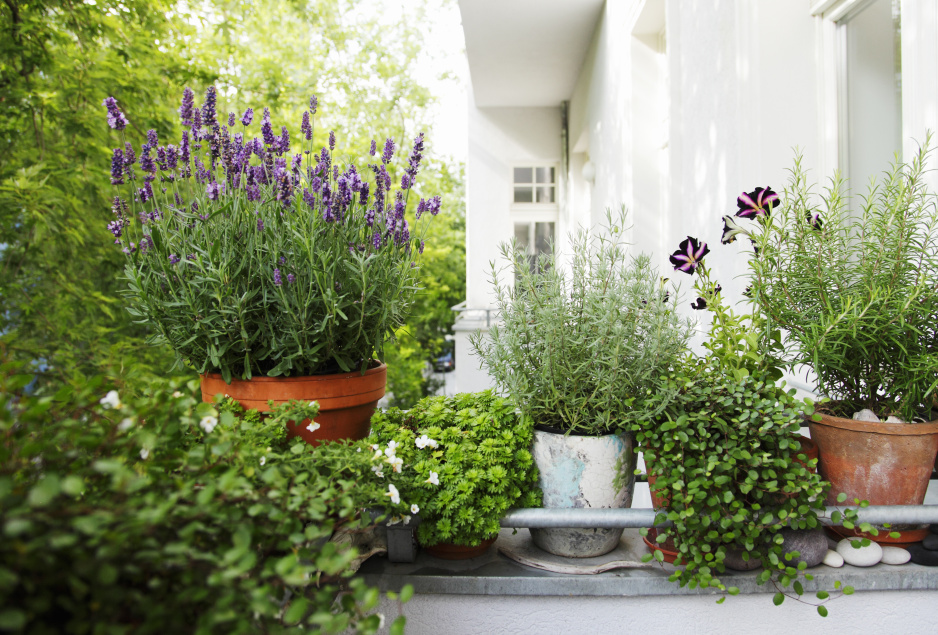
117	167
247	117
208	108
313	104
332	140
306	127
185	110
267	130
388	151
277	279
115	118
231	119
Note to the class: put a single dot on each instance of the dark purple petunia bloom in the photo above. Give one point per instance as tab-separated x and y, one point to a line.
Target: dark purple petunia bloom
208	108
374	147
291	278
117	167
313	104
331	140
247	117
814	220
759	202
689	255
267	130
174	259
731	229
115	118
188	104
277	279
699	305
388	151
306	127
231	119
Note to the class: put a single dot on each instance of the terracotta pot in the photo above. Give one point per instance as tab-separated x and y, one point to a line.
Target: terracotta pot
449	551
667	548
809	449
346	400
884	463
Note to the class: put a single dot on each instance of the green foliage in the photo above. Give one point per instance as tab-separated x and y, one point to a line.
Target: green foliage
161	514
583	350
856	295
476	446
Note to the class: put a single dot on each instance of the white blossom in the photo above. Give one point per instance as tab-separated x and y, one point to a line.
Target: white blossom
111	400
263	461
126	424
177	394
396	463
312	404
434	479
144	453
208	423
414	509
424	441
406	520
394	494
312	427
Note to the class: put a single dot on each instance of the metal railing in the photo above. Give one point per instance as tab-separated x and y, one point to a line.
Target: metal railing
466	313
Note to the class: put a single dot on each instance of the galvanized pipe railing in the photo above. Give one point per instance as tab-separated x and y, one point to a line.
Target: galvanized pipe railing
636	518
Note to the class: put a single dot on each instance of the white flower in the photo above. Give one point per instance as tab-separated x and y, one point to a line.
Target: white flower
144	453
313	426
111	400
394	494
434	479
375	447
263	461
125	424
414	509
358	450
379	473
313	404
177	394
380	621
378	456
208	423
425	442
392	448
394	521
396	463
406	520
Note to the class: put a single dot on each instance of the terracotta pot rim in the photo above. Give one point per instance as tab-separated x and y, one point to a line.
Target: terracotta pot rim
381	367
896	429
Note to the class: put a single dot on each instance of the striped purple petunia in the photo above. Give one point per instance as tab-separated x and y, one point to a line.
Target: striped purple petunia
689	255
115	118
759	202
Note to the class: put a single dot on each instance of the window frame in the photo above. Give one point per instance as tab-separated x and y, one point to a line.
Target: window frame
545	212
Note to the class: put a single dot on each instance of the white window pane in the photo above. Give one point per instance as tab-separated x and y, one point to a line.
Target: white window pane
545	195
543	237
522	231
524	175
545	175
524	195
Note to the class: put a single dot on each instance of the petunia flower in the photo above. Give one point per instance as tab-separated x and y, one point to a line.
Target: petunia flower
814	219
689	255
394	494
425	442
731	229
126	424
759	202
699	305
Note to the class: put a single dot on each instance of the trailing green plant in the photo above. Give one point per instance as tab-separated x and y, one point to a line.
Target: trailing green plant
855	292
582	348
162	514
463	462
250	258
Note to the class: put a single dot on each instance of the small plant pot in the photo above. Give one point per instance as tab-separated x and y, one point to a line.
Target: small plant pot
667	548
580	471
450	551
883	463
346	400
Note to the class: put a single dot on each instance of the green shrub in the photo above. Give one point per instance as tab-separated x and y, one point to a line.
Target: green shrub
166	515
465	463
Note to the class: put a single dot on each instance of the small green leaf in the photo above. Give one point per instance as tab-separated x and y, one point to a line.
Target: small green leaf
778	599
297	610
823	595
822	610
848	590
407	592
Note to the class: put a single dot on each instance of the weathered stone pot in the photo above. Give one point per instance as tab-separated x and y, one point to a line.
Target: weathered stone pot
578	472
346	400
884	463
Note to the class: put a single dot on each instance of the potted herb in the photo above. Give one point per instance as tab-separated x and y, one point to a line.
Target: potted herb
461	462
855	294
271	267
581	350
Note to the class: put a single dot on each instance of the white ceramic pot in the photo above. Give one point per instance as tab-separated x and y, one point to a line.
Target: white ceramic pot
580	471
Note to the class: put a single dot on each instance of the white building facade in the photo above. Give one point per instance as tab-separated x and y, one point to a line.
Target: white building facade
672	108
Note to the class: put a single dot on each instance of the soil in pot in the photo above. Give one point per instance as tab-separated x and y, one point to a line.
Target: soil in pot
450	551
346	400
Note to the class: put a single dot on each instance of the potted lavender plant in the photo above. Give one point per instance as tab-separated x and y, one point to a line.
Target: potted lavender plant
274	270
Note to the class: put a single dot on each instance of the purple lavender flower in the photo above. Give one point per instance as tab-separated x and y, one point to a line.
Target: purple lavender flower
376	240
152	138
332	140
421	247
115	118
434	205
422	206
260	224
117	167
689	255
146	161
161	157
129	249
247	117
306	126
129	156
313	104
266	129
388	151
172	157
284	189
370	216
405	181
399	206
116	227
374	147
283	143
277	279
188	103
208	108
184	148
145	193
291	278
414	162
174	259
213	190
197	126
295	164
363	194
231	119
145	244
283	260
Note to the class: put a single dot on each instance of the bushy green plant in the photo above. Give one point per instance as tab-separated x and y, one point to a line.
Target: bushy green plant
465	462
855	292
258	256
581	348
166	515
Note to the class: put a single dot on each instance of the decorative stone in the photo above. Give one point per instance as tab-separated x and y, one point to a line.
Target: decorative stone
895	555
865	415
930	542
891	419
811	545
933	529
734	560
831	543
833	559
923	556
862	556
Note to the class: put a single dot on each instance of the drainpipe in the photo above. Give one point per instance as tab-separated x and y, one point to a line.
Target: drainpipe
564	154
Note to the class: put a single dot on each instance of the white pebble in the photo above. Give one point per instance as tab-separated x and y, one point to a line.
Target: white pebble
861	557
891	419
895	555
866	415
833	559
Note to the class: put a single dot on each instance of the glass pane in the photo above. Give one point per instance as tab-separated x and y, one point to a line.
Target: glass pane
545	194
524	195
524	175
543	237
521	235
545	175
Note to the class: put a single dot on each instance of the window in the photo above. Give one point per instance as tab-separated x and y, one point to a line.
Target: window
535	185
536	239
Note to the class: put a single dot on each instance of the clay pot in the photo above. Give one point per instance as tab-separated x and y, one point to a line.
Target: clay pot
809	449
884	463
449	551
346	400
